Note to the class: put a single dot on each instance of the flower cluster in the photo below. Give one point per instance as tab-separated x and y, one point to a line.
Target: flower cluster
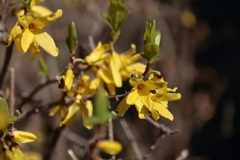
10	140
111	68
28	34
149	97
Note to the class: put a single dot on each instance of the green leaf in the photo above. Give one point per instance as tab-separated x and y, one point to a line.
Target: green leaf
72	38
43	67
151	35
117	13
11	119
101	113
3	107
154	59
100	103
106	18
150	51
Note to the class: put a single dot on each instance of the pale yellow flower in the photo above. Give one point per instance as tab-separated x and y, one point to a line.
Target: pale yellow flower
68	79
32	32
109	147
84	107
35	10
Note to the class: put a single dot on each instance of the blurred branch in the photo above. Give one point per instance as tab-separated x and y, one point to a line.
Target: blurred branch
7	59
41	108
72	155
12	91
131	138
53	141
35	90
164	132
75	138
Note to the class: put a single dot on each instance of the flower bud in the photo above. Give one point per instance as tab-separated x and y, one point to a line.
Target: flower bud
23	137
110	147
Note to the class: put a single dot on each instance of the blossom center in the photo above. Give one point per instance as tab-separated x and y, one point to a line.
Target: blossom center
140	86
31	26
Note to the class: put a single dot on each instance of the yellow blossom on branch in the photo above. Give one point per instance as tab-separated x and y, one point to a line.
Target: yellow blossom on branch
32	32
35	10
146	102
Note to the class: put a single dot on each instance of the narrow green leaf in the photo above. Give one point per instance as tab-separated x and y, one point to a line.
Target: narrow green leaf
11	119
107	20
150	50
154	59
100	103
72	38
43	66
3	107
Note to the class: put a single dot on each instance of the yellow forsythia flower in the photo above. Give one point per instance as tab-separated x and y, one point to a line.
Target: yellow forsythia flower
23	137
146	102
84	107
32	32
109	147
68	79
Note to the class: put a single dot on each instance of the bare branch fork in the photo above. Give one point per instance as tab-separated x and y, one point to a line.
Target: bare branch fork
164	132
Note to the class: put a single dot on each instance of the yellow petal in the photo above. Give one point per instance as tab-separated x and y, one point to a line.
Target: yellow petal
146	101
167	97
105	75
39	11
132	97
111	88
18	155
23	137
25	21
172	90
96	54
53	110
122	107
8	155
27	39
45	41
163	111
16	30
155	115
109	147
153	85
68	80
46	20
115	68
71	112
134	82
143	90
35	2
138	67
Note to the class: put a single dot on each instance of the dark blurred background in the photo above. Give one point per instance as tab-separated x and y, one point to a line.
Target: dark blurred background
200	53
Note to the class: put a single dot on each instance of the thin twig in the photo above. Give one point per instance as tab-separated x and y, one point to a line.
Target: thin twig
53	141
131	137
40	108
72	155
12	90
35	90
75	138
91	43
164	132
7	59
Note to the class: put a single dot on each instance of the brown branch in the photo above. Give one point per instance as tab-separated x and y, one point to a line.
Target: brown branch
53	141
7	59
41	108
35	90
131	137
164	132
75	138
12	91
